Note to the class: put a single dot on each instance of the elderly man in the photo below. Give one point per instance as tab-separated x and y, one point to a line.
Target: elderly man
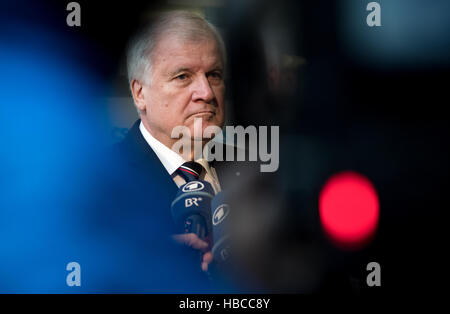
176	71
176	75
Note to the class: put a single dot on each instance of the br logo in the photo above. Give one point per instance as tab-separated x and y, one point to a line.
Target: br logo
192	201
220	214
193	186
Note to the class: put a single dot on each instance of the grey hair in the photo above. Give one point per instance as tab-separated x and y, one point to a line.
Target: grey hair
184	24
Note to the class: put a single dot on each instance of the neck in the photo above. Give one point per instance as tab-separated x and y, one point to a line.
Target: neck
186	147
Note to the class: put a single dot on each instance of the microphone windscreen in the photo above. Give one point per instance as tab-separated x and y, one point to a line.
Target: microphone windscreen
220	211
193	198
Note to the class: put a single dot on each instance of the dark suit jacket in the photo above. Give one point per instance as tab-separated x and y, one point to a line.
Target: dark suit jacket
131	221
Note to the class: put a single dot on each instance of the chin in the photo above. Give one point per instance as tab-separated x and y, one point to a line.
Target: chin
212	122
206	122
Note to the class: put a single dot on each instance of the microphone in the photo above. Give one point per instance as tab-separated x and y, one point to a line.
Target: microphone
220	211
191	209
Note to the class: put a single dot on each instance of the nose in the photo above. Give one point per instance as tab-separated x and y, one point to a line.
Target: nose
202	90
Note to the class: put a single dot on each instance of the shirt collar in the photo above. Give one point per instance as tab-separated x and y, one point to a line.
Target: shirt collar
170	159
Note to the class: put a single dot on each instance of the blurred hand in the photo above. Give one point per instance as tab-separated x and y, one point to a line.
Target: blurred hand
193	241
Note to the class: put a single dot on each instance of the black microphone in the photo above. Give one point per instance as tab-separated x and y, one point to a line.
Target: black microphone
191	209
220	211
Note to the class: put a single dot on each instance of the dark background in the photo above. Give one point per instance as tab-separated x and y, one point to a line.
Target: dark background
372	100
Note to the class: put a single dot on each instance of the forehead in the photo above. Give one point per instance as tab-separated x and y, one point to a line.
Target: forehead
173	52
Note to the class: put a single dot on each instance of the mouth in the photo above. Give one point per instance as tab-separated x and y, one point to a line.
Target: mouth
203	113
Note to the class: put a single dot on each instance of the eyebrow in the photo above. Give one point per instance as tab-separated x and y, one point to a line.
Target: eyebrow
215	67
179	70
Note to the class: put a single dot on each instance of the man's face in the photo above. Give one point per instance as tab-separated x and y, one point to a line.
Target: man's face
186	83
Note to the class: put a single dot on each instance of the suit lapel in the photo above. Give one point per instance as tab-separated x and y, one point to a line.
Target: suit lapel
144	158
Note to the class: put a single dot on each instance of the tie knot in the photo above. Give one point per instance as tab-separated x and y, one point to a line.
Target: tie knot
190	171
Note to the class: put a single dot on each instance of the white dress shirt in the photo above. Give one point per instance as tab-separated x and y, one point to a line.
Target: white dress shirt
172	161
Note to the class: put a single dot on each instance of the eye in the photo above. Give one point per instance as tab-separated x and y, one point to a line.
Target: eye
215	77
182	77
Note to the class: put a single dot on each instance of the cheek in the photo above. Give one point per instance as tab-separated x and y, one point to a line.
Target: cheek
220	96
177	107
170	104
181	101
166	101
219	92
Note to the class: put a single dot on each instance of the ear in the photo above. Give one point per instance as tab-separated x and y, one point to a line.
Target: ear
137	89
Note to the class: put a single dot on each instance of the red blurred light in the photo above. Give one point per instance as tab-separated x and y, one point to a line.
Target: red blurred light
349	209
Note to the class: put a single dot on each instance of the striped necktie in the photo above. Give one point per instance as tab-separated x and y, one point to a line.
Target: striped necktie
190	171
